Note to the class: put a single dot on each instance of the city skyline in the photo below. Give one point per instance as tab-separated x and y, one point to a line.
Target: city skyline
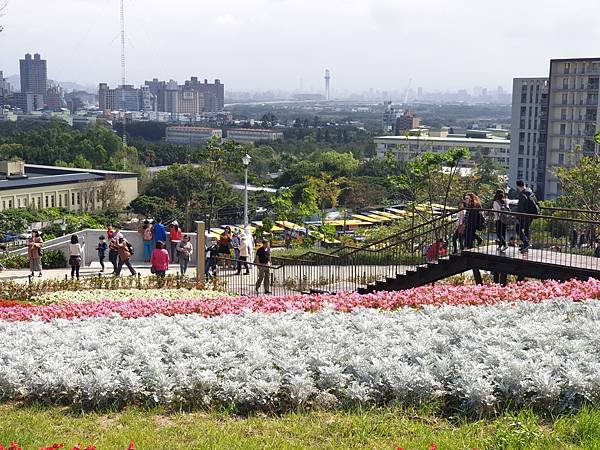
273	44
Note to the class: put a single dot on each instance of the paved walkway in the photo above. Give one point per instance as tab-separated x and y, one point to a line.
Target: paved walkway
22	275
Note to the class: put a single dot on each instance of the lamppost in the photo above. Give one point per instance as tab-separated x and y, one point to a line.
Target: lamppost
246	160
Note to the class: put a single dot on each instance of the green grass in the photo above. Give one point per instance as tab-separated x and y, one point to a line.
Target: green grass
380	428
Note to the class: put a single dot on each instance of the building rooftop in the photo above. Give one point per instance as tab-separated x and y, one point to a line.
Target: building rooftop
37	175
446	139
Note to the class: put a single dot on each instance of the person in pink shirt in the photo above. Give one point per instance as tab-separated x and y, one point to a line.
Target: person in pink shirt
159	260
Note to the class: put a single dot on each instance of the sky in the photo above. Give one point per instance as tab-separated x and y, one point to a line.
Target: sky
259	45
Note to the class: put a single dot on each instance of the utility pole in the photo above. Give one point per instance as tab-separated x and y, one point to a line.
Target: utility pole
123	73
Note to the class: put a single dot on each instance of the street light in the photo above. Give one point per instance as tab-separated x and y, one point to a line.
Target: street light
246	161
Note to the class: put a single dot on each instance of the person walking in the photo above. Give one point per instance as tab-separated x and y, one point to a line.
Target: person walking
473	219
263	258
148	238
101	249
184	253
159	232
159	261
174	238
458	238
500	209
125	252
75	253
34	252
212	255
243	256
225	247
113	254
528	204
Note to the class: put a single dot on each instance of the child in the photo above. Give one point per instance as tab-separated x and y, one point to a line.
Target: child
102	247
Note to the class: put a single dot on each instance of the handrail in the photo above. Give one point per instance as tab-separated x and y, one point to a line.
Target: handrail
371	244
534	216
378	250
576	210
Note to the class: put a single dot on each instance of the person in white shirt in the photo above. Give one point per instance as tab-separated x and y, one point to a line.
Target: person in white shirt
184	253
243	258
75	254
458	238
499	206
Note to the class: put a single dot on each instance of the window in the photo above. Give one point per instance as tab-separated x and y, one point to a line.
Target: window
52	201
79	198
563	114
522	123
524	97
521	149
520	161
561	144
565	99
567	68
60	200
523	111
522	137
565	83
19	202
47	203
519	174
561	158
563	129
72	198
10	204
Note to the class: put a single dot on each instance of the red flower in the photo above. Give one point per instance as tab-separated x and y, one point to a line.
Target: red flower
131	446
433	447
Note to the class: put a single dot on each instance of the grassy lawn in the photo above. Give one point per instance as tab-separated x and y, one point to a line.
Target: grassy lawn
382	428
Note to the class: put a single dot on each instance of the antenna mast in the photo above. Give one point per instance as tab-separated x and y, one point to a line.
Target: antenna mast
123	73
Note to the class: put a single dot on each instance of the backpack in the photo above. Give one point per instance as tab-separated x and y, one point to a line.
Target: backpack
130	248
505	215
532	204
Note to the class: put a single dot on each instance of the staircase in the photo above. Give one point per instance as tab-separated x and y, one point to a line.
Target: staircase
421	275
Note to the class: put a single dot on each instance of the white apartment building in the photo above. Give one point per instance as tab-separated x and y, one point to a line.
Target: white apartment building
572	115
252	135
191	135
407	147
528	133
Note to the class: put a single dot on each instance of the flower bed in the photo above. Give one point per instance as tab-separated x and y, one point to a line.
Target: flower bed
470	358
98	295
210	303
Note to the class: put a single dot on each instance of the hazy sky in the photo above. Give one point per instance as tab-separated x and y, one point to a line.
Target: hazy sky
272	44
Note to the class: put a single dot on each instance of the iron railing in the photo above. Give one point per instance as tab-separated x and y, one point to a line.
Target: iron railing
352	267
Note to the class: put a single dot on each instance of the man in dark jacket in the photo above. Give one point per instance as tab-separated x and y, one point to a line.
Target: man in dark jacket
528	205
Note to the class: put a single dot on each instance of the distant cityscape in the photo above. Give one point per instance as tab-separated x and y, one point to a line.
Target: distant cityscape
552	118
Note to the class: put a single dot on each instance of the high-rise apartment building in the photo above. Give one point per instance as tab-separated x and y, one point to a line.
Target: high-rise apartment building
5	89
214	93
125	98
34	74
528	133
572	115
567	120
55	99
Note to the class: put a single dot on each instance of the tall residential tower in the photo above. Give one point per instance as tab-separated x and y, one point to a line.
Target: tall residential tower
564	108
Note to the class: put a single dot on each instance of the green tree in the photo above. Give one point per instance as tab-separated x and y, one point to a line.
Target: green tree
285	208
581	183
327	191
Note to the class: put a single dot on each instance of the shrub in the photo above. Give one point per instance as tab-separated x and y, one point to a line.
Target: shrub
54	259
14	261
